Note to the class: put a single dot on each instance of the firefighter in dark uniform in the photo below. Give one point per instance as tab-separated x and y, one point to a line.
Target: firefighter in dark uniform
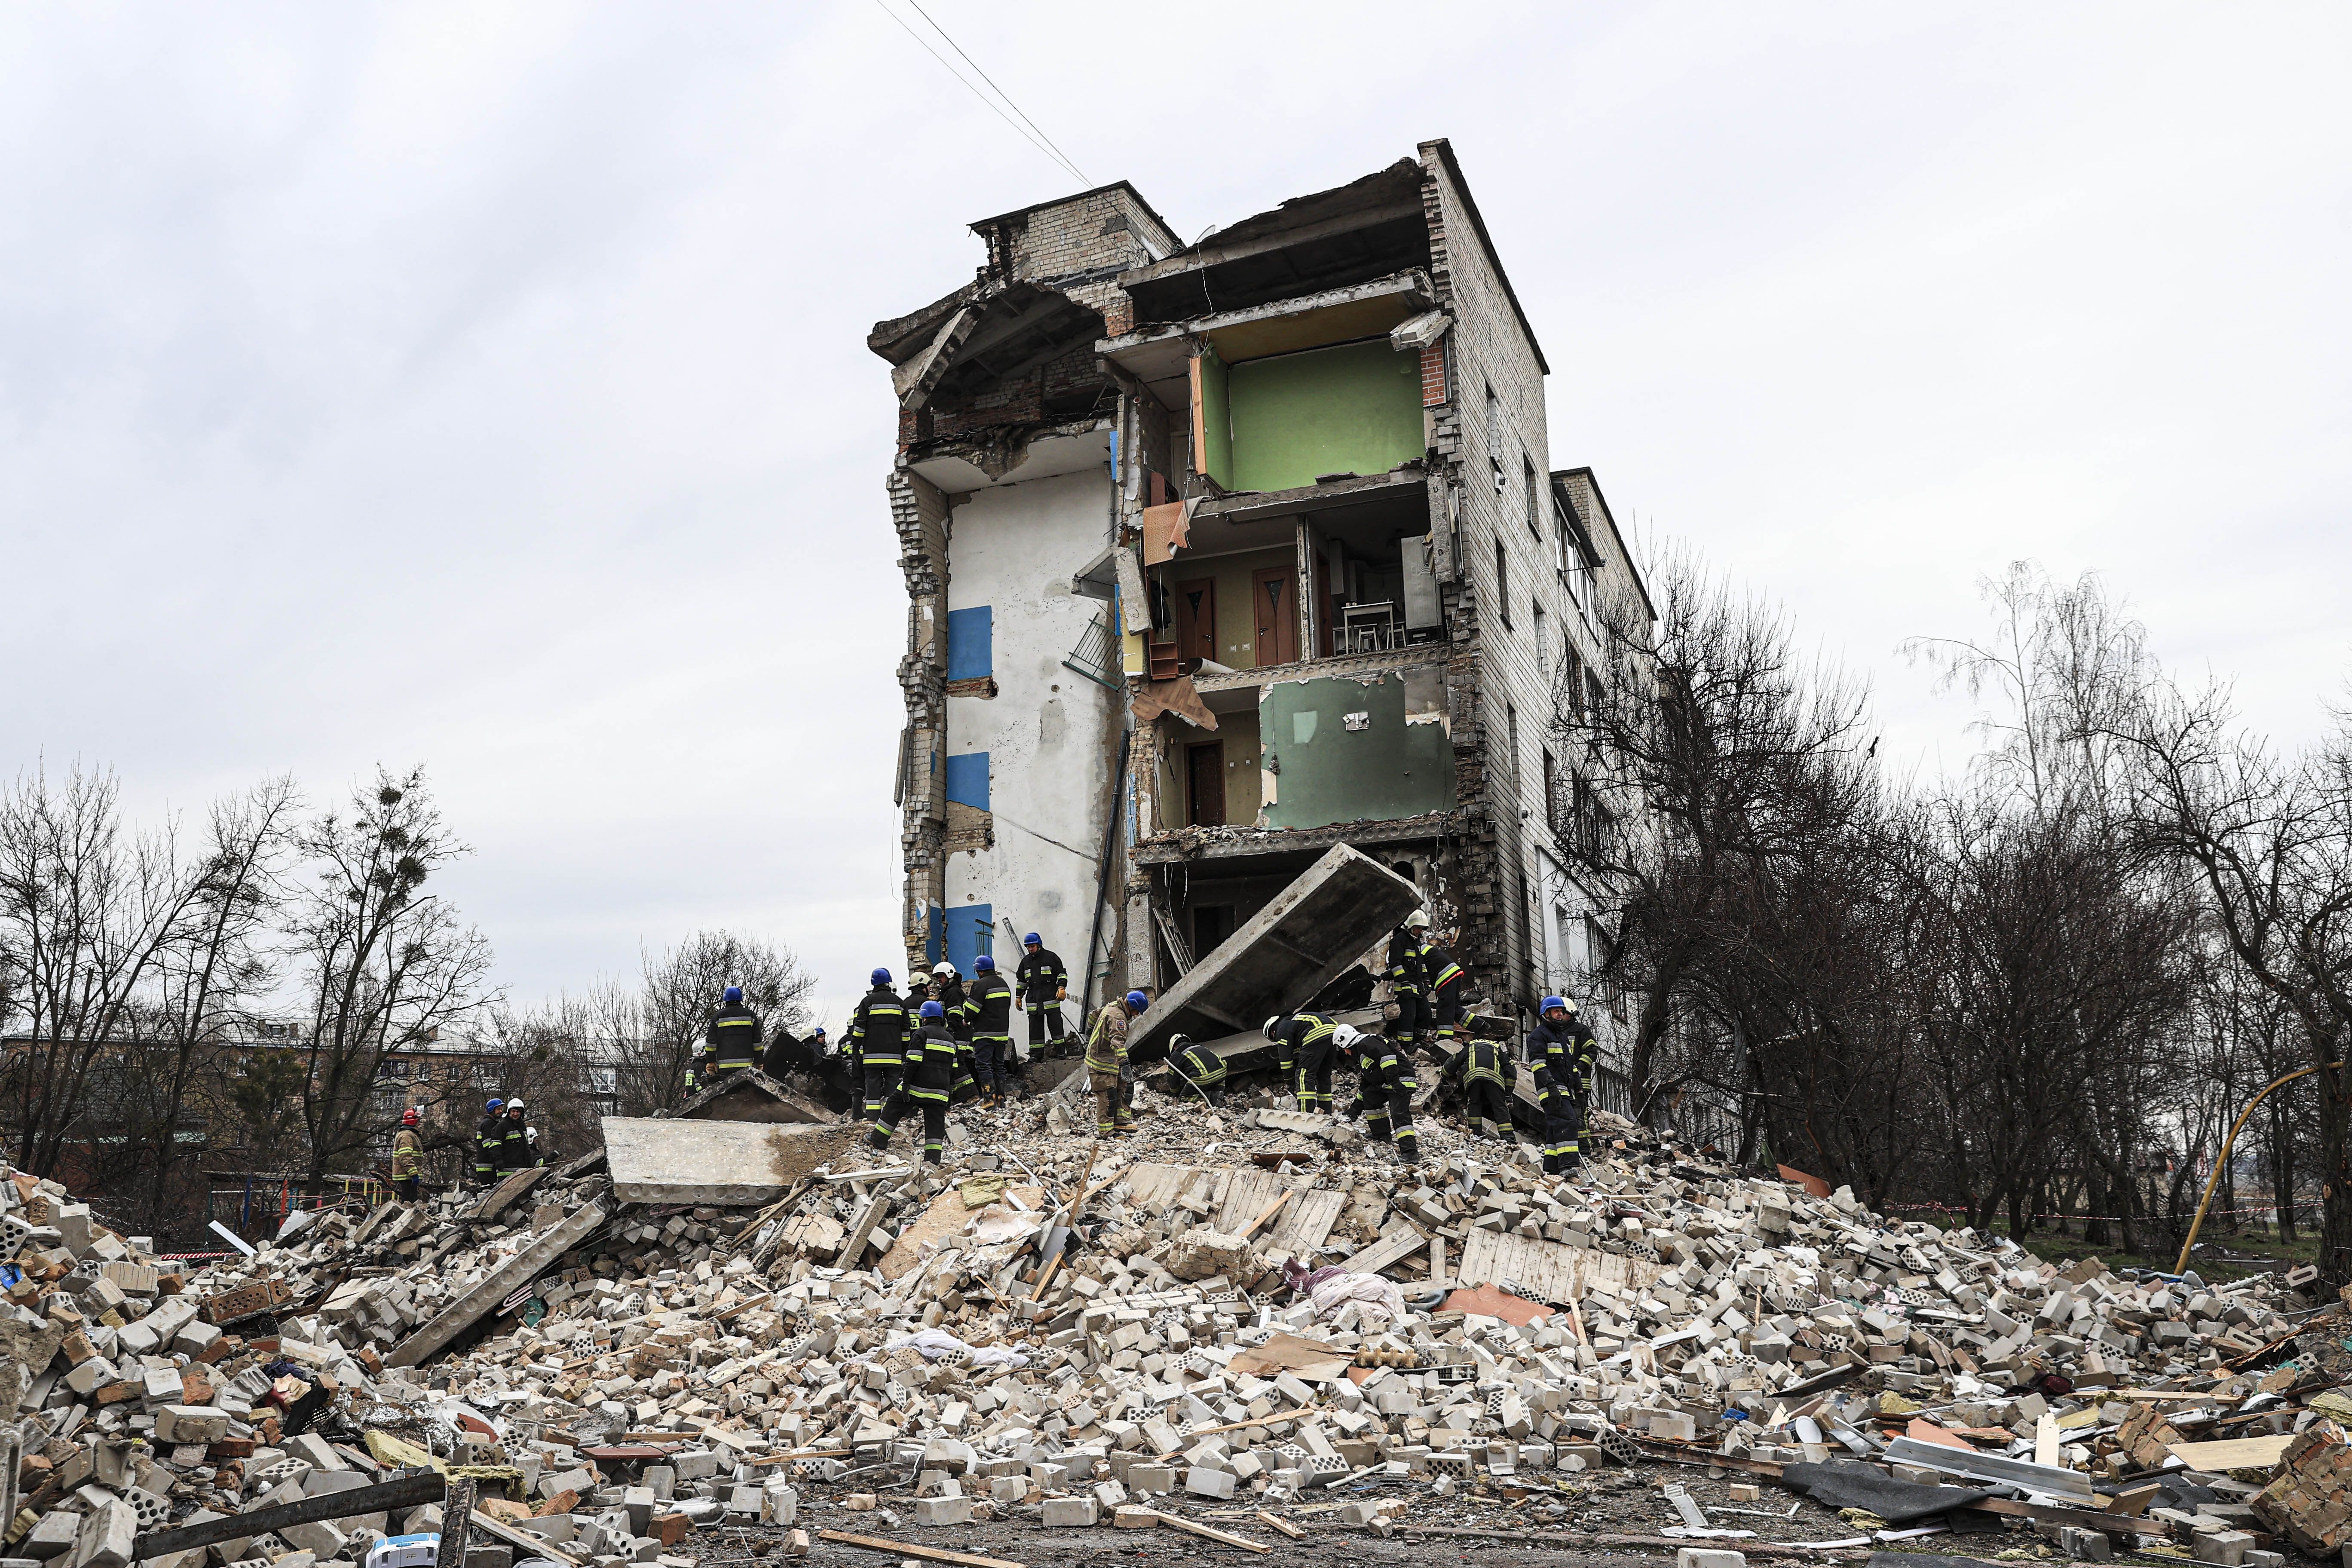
1409	983
1198	1066
1306	1038
1384	1080
947	990
1486	1074
489	1137
731	1043
988	1015
1042	983
1448	982
929	1081
1561	1049
878	1042
514	1140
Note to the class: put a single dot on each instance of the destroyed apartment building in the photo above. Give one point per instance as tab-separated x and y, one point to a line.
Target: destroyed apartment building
1221	554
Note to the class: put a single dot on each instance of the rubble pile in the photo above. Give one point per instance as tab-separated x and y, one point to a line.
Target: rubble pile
1249	1319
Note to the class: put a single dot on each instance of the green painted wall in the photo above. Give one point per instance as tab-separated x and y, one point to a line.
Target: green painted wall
1216	420
1326	773
1352	409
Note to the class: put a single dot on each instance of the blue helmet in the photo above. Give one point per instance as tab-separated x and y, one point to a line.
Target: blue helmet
1551	1002
820	1031
734	993
933	1010
1033	939
1137	1001
985	963
879	977
494	1104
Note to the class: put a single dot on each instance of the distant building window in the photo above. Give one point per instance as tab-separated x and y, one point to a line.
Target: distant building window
1502	584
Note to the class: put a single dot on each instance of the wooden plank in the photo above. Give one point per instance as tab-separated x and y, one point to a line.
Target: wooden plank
1290	1353
453	1551
1284	1525
2234	1453
909	1548
1307	1224
408	1492
1397	1242
1267	1214
498	1529
1193	1527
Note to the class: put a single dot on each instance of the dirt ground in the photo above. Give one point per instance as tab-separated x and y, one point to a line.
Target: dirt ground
1570	1508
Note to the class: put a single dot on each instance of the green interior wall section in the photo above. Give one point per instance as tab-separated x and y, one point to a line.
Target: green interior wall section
1327	773
1351	409
1217	419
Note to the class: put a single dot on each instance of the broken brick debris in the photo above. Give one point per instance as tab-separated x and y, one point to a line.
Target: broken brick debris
1255	1314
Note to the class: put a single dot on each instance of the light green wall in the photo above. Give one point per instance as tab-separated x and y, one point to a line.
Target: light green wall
1217	419
1351	409
1388	769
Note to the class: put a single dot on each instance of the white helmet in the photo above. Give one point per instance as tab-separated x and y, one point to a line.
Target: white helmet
1271	1025
513	1105
1345	1036
943	967
1417	917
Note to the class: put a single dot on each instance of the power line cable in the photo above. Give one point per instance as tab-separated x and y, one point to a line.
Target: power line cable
1066	161
984	97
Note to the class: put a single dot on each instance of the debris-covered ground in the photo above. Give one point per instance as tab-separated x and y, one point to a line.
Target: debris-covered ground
1238	1333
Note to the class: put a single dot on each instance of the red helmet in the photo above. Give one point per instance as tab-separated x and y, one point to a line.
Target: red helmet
408	1118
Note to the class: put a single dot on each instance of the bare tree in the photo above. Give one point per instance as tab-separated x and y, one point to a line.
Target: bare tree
383	964
90	916
682	988
2267	842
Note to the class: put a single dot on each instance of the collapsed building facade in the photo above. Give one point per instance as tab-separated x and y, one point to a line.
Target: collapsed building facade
1221	554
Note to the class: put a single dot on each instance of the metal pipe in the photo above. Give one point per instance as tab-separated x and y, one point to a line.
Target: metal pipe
2222	1161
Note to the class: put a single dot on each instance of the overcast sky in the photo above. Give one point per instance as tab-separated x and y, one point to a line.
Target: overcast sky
486	387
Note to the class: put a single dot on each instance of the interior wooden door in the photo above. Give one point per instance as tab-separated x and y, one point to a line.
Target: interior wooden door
1276	597
1196	618
1205	790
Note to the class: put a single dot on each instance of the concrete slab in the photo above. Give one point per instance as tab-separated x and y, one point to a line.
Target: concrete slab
1283	954
663	1160
519	1271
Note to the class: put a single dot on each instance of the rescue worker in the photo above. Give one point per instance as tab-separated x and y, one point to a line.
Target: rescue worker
489	1134
1408	982
1043	985
927	1081
988	1014
1198	1066
1448	983
878	1042
514	1140
1384	1080
1106	1066
1305	1040
408	1158
1561	1049
1486	1074
731	1043
948	991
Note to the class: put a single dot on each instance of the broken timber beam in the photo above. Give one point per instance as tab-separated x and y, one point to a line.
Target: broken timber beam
908	1549
408	1492
1191	1527
483	1298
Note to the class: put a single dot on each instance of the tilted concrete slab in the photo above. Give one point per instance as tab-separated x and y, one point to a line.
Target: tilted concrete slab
519	1271
665	1160
752	1095
1285	953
